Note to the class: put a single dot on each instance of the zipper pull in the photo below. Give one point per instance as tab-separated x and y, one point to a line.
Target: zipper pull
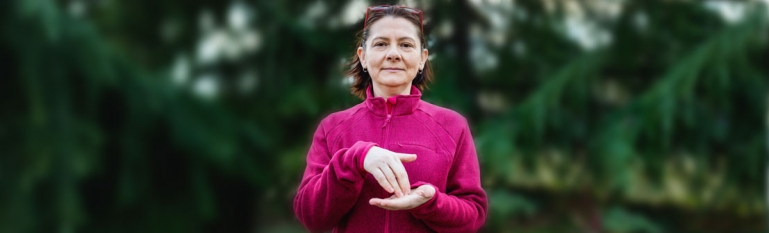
387	120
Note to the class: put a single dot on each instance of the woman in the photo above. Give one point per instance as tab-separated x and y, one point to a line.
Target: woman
393	163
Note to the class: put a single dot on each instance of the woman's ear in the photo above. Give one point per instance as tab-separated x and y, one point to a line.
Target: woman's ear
425	53
361	57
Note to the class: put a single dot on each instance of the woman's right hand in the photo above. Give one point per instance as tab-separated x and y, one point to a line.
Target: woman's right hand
387	167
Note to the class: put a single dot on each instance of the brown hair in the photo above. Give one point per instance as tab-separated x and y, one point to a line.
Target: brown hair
361	79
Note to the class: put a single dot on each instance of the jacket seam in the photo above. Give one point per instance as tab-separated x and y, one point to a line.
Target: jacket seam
348	127
344	120
443	145
439	124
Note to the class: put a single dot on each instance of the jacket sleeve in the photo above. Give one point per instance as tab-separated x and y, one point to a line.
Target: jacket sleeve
463	206
331	183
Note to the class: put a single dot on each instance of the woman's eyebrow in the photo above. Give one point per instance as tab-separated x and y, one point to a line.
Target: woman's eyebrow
400	39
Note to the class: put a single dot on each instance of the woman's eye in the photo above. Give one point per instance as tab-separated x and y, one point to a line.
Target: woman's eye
379	44
407	45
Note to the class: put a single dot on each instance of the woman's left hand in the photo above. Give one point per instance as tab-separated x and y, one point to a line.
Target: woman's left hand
417	197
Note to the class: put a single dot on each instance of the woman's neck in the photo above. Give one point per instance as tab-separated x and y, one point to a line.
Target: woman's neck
387	92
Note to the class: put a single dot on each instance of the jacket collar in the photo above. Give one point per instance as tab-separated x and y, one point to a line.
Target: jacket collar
404	105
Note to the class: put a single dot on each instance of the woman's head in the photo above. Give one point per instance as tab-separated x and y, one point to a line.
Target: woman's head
391	50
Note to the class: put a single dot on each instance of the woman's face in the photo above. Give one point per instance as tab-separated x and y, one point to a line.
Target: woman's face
393	55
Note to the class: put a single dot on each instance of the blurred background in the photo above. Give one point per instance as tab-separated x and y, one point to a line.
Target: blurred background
196	116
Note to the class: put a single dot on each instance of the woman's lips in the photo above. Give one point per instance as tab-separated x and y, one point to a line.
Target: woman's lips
392	69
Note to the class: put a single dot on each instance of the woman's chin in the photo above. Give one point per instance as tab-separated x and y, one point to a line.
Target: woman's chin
394	81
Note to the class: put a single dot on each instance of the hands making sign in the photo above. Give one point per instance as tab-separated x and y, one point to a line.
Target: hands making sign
387	168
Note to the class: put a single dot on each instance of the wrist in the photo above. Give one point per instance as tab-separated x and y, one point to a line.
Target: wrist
362	157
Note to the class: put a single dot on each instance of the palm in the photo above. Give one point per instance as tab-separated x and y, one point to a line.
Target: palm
417	197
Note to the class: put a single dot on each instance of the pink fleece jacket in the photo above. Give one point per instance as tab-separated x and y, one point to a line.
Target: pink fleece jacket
335	190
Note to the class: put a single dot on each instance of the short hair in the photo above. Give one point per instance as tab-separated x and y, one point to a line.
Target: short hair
361	79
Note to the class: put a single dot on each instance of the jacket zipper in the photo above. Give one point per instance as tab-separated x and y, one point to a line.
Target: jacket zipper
387	222
387	120
386	131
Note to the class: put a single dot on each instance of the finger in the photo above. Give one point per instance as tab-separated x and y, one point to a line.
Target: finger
393	182
380	177
391	204
381	203
401	175
378	203
406	157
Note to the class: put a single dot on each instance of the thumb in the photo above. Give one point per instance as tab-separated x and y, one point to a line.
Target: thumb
426	190
407	157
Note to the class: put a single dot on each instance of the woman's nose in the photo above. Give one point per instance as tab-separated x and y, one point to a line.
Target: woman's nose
393	55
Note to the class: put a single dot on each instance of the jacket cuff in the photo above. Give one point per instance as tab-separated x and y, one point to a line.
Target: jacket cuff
362	155
427	207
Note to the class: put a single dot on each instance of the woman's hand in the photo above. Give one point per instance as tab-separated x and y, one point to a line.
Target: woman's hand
417	197
387	167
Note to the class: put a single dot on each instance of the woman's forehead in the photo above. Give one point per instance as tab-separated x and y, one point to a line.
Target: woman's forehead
396	27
